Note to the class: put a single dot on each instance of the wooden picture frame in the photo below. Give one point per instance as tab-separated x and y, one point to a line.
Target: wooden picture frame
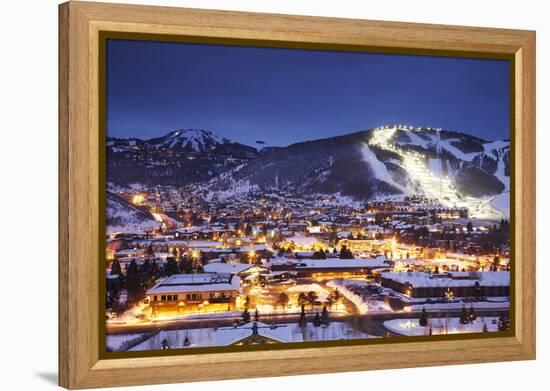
81	364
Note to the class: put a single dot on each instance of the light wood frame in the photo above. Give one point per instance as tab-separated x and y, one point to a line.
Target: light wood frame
80	249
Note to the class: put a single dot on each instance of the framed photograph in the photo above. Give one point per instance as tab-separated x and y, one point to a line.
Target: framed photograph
271	195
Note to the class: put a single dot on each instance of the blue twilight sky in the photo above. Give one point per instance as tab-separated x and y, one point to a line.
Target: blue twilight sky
283	96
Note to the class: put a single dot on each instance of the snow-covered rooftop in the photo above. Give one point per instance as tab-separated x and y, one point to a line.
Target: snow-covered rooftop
202	282
340	263
220	267
422	280
228	335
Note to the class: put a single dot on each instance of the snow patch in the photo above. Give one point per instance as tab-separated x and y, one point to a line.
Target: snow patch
378	168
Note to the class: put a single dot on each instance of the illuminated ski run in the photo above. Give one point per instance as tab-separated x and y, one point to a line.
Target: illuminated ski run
440	187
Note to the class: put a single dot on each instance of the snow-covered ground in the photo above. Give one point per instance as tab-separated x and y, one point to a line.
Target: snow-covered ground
502	202
411	327
333	332
223	336
114	342
321	292
363	306
379	169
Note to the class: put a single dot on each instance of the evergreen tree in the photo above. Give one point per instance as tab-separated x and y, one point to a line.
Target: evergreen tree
145	269
170	267
303	320
316	320
245	316
423	321
283	299
312	298
146	274
135	289
319	254
155	270
302	299
464	319
345	253
325	317
185	266
115	267
329	301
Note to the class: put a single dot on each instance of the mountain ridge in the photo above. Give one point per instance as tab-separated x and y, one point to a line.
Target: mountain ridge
363	165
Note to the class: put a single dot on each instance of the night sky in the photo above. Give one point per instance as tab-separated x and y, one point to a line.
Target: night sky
283	96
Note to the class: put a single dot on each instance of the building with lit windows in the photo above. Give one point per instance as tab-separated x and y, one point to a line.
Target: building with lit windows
455	284
181	293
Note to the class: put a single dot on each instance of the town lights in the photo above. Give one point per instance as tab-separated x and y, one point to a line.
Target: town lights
138	199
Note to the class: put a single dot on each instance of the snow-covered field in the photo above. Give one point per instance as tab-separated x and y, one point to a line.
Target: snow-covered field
114	342
322	293
208	337
379	169
411	327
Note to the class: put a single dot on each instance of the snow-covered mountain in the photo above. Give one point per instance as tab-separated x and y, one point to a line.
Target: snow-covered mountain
196	140
180	157
476	167
124	217
455	167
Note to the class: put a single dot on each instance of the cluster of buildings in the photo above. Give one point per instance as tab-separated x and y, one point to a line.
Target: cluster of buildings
412	245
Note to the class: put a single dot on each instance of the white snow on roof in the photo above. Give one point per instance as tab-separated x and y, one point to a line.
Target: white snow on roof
340	263
229	335
203	282
220	267
422	280
281	333
203	244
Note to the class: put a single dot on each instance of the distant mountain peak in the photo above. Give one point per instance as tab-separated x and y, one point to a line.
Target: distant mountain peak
198	140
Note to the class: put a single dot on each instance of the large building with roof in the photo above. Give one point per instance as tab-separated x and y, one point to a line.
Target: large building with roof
457	284
208	291
329	268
